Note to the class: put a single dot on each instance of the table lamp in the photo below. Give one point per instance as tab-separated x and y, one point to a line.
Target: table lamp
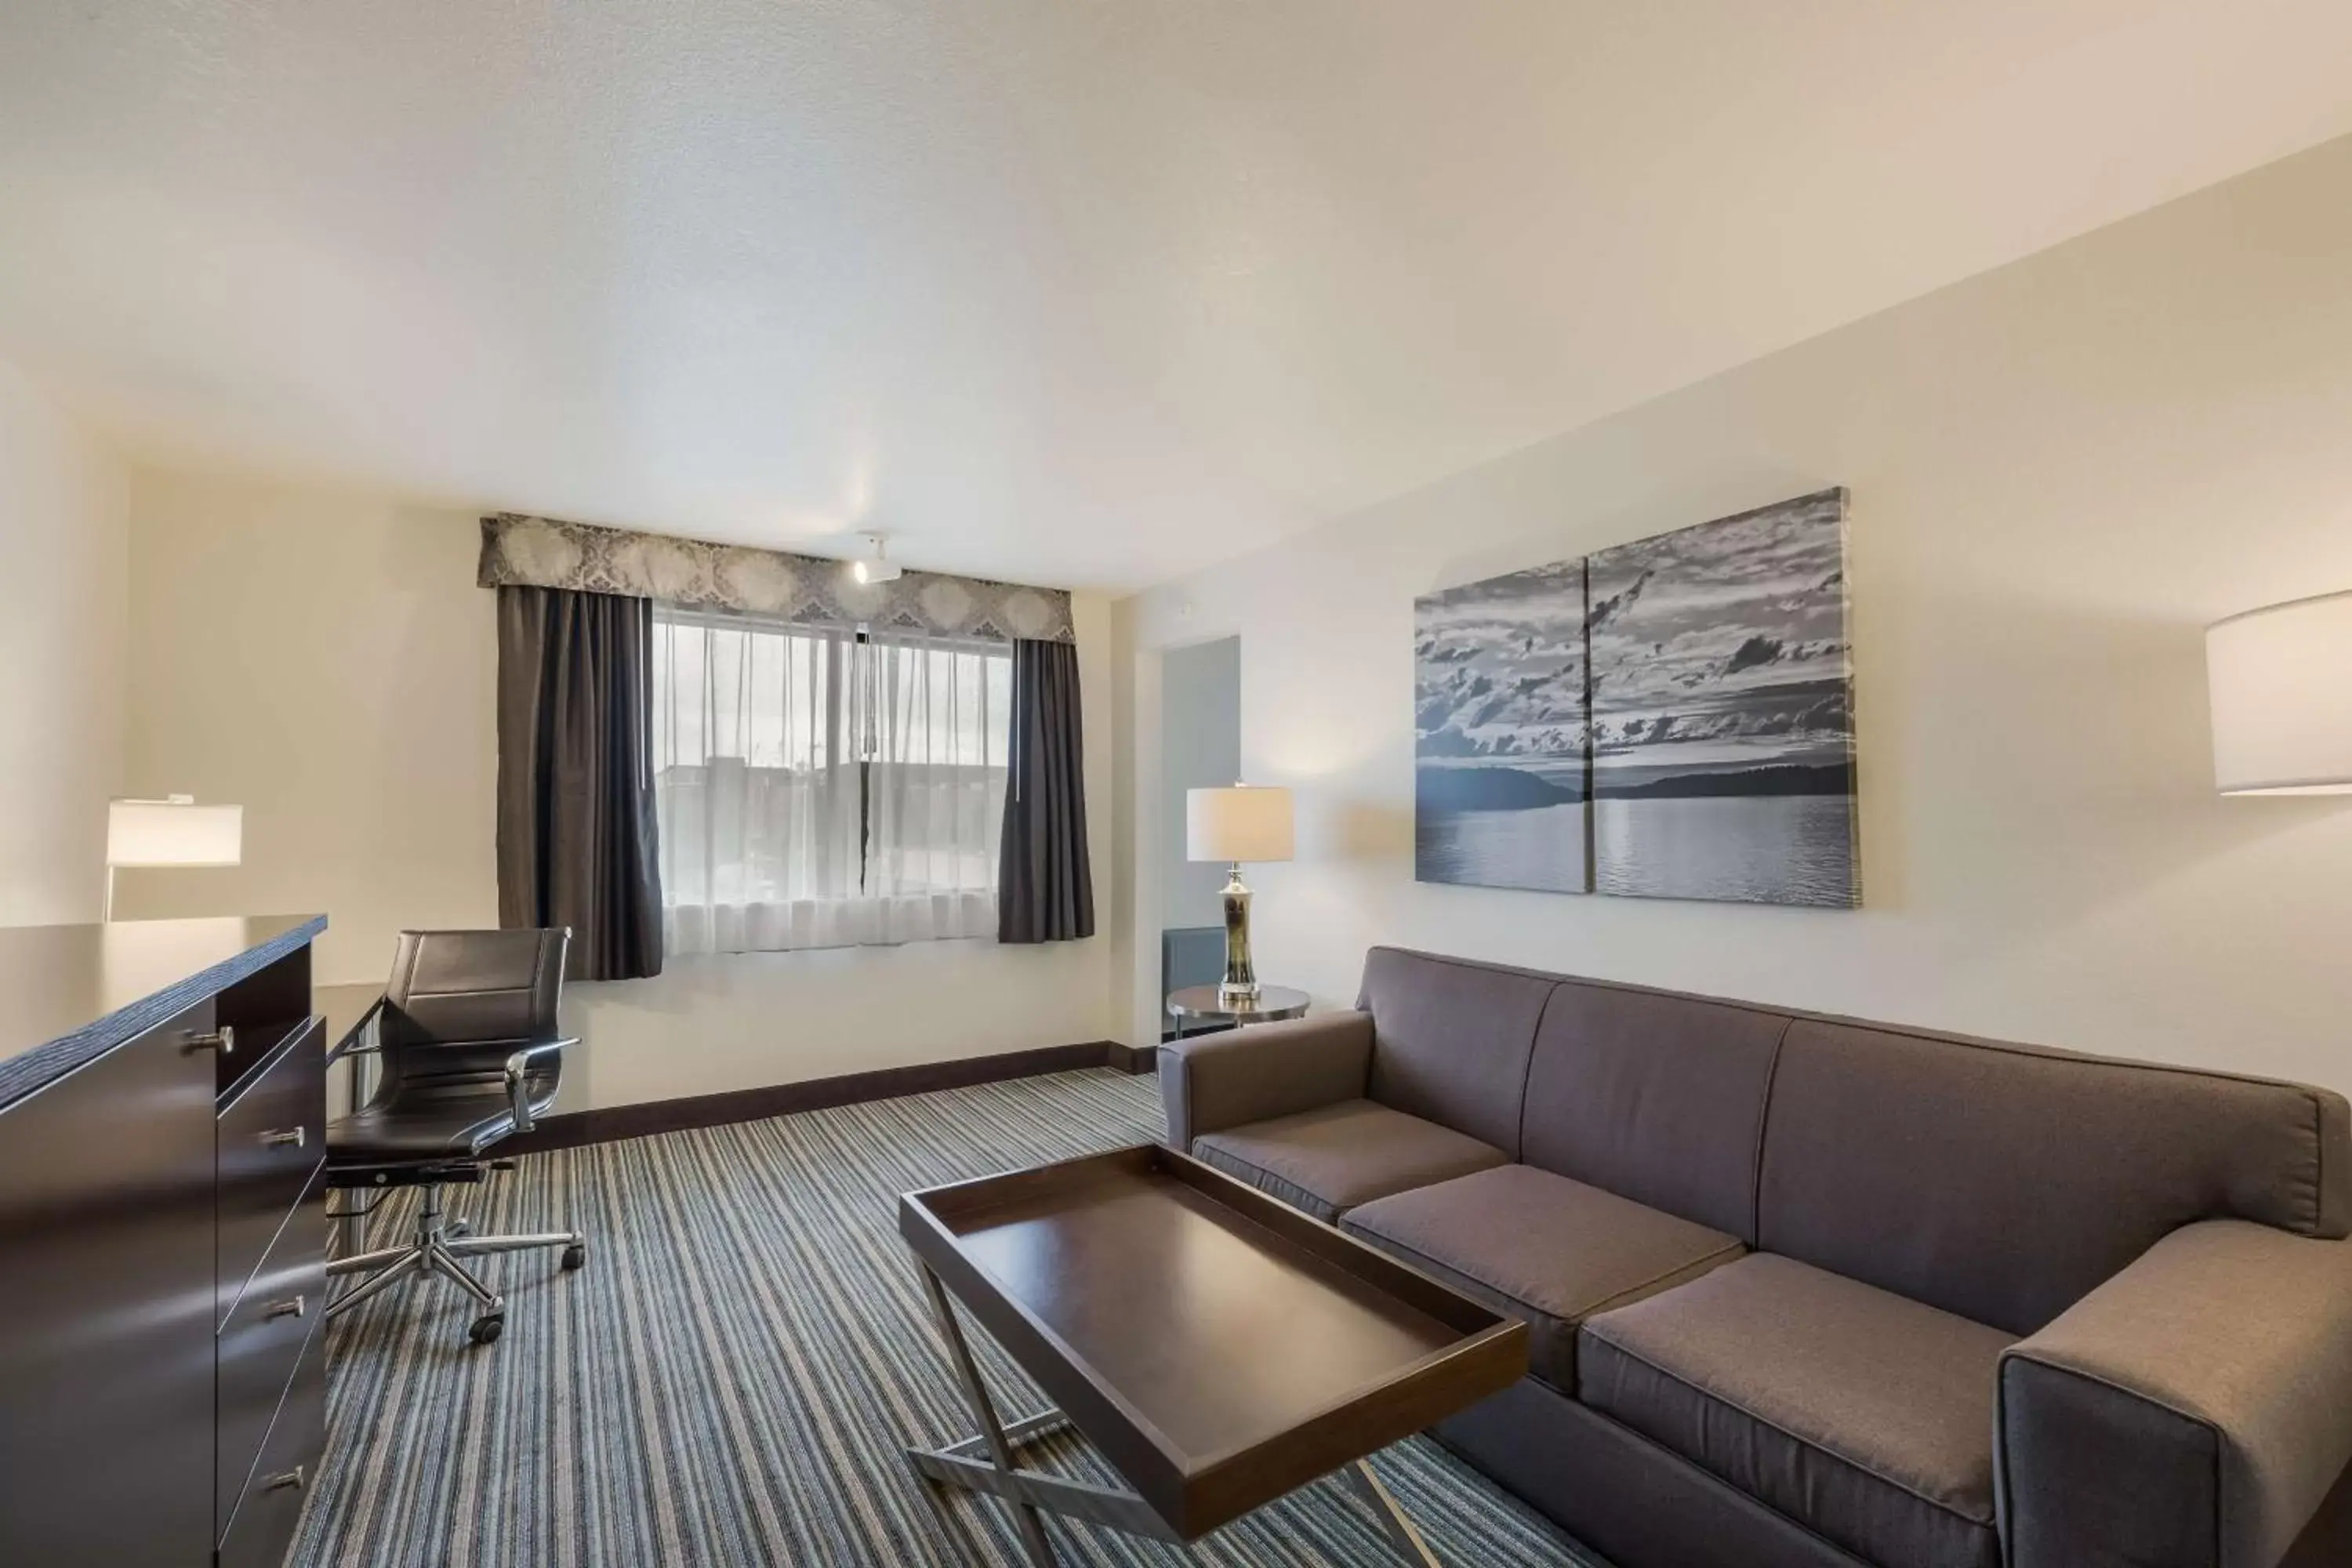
2280	680
174	831
1233	825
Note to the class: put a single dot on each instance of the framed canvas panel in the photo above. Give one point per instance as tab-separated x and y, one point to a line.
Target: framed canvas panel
1722	711
1500	734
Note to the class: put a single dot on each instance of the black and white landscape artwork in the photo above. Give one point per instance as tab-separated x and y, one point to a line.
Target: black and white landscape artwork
1672	718
1500	748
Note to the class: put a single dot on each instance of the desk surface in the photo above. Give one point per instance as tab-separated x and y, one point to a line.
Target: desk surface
71	993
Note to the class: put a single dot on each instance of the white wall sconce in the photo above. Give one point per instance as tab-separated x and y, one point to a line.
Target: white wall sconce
2280	680
174	831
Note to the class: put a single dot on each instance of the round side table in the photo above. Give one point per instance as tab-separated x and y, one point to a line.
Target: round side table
1198	1007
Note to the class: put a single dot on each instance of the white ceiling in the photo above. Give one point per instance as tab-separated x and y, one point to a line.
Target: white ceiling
1078	291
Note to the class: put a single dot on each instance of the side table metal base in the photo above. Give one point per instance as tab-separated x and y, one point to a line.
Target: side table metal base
985	1463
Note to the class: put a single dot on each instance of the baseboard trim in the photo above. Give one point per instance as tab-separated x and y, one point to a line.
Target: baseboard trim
573	1129
1136	1059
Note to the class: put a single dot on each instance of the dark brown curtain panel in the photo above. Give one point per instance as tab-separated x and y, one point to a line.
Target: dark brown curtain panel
576	824
1044	886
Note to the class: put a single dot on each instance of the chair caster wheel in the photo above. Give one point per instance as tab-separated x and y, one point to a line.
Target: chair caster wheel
487	1328
575	1257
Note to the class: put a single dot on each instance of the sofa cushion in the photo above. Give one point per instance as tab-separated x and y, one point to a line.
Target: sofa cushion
2003	1184
1865	1416
1450	1040
1542	1248
1329	1160
1654	1095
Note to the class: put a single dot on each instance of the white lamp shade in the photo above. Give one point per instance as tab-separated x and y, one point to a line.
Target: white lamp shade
1242	823
174	832
2281	684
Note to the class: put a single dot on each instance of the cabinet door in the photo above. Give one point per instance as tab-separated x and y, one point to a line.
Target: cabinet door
106	1310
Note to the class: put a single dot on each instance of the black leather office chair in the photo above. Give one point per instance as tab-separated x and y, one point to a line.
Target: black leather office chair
469	1056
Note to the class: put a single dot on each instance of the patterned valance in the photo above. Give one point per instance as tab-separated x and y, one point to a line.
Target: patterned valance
541	552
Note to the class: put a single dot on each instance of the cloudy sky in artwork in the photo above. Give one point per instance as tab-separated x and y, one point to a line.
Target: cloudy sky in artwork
1724	645
1499	670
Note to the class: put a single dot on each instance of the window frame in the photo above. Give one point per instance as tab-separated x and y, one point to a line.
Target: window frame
839	645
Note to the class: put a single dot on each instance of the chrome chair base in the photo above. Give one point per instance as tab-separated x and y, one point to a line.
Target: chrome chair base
437	1249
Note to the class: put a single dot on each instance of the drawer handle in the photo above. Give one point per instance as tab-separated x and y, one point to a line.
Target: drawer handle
292	1137
222	1040
283	1480
292	1308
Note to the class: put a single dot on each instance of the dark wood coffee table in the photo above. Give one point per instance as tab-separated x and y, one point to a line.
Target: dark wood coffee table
1218	1347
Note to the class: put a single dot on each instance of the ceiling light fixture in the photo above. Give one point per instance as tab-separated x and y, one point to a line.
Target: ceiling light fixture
879	568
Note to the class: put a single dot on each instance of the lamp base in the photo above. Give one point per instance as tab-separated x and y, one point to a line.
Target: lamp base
1240	984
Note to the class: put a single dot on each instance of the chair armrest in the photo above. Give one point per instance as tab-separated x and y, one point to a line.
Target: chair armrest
2194	1410
519	1066
353	1034
1211	1083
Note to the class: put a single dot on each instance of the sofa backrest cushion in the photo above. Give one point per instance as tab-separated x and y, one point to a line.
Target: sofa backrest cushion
2002	1183
1657	1097
1451	1038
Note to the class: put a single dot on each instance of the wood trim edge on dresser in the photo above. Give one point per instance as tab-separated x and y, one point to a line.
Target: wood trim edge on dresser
570	1130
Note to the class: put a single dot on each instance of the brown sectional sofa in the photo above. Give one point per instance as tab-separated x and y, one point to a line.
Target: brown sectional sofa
1806	1291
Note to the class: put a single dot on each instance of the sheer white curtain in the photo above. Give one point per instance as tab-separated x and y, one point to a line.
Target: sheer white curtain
818	789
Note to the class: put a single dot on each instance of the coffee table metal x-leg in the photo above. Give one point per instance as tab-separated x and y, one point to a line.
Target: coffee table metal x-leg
985	1463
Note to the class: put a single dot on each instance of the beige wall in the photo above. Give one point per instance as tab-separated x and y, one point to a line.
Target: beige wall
2061	471
63	590
324	659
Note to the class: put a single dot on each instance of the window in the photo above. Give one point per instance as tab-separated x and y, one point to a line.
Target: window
821	788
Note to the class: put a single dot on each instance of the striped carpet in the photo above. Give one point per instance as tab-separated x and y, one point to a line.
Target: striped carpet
731	1379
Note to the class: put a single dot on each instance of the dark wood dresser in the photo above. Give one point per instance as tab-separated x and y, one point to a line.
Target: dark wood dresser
163	1242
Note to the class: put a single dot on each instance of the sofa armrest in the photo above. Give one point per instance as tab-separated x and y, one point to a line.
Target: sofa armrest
2194	1410
1211	1083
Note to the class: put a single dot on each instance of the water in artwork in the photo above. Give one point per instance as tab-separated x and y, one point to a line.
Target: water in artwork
1779	849
1540	848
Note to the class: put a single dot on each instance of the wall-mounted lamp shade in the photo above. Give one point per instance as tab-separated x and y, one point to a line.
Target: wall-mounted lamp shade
175	832
1242	823
2281	684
